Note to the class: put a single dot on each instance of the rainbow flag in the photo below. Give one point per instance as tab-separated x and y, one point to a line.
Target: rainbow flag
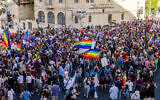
138	46
18	50
114	22
151	39
124	80
6	39
85	44
125	60
61	71
32	36
42	48
115	28
92	53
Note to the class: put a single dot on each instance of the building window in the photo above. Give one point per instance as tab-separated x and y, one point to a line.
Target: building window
40	0
87	1
109	17
92	1
30	25
75	1
60	1
24	26
50	2
90	18
103	10
122	16
61	18
76	19
51	18
41	17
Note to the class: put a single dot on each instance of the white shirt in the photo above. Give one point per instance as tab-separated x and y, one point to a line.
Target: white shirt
135	97
29	79
10	94
114	92
20	79
130	85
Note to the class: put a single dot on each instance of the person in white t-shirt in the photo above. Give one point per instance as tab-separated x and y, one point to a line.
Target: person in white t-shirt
130	85
10	93
135	96
20	81
113	92
29	81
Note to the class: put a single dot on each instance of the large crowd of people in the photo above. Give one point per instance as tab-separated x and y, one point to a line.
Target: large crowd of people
125	68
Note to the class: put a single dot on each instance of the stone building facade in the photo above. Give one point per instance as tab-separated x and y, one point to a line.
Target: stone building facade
77	13
80	13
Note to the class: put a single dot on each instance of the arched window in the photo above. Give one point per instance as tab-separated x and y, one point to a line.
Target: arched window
51	18
41	17
90	18
61	18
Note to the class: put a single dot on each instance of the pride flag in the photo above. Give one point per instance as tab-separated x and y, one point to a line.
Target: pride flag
42	48
115	28
18	50
6	39
32	36
124	80
114	22
85	44
138	46
26	34
151	39
125	60
61	71
92	53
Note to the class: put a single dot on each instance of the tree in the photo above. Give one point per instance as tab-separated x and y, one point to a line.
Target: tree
151	4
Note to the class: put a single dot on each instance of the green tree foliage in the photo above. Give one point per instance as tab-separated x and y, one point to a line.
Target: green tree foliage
153	4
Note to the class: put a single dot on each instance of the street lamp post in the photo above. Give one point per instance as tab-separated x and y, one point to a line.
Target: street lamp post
65	13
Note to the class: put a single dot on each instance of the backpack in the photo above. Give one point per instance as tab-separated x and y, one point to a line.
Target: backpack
67	92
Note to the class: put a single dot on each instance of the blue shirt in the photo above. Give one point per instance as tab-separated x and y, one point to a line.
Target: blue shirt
25	95
55	90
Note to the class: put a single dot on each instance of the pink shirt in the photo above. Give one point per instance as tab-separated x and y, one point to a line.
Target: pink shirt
147	63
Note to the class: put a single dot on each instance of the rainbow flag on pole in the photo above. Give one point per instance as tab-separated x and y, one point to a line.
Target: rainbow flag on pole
32	36
85	44
42	48
92	53
6	39
151	39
